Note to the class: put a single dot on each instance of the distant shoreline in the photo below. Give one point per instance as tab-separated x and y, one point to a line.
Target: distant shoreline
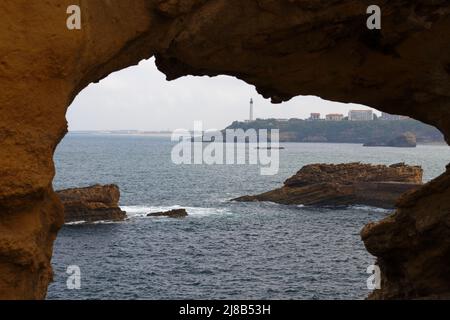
364	132
125	132
168	134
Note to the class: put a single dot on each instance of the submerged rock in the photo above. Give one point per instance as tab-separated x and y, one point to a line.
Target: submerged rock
406	140
90	204
176	213
345	184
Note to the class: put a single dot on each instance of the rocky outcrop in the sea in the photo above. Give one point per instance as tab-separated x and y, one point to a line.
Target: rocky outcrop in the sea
405	140
345	184
175	213
91	204
284	48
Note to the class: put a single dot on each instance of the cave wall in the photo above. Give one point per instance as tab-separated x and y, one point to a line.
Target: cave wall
413	245
284	47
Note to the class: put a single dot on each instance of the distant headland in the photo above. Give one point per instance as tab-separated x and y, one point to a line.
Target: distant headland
345	130
360	126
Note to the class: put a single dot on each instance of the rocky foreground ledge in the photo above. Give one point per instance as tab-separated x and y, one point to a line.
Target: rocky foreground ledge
91	204
344	185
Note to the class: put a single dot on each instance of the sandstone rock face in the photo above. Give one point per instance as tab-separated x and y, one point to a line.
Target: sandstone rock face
176	213
95	203
349	173
345	184
284	47
413	245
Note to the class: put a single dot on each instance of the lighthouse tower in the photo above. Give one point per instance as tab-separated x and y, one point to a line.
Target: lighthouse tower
251	111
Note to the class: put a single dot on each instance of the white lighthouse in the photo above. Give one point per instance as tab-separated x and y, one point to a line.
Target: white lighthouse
251	110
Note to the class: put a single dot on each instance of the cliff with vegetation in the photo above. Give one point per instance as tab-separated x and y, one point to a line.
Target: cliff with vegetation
364	132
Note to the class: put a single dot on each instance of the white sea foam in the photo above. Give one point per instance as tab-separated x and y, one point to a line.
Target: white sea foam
106	222
142	211
74	223
372	209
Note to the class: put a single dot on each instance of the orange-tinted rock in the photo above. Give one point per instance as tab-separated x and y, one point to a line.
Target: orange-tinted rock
284	47
344	185
348	173
90	204
412	246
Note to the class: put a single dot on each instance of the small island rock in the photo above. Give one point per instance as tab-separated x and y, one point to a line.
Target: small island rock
344	185
175	213
91	204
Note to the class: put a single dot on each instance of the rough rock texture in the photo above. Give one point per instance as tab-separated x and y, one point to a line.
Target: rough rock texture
345	184
176	213
284	47
406	140
413	245
348	173
90	204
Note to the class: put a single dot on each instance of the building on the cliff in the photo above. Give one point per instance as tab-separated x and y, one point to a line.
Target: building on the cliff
392	117
334	117
314	116
360	115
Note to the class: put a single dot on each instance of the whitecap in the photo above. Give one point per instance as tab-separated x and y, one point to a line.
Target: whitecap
141	211
372	209
74	223
105	222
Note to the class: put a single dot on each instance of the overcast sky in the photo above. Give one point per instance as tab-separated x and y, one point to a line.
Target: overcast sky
139	98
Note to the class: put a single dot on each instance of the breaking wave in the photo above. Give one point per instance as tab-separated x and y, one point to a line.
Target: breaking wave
142	211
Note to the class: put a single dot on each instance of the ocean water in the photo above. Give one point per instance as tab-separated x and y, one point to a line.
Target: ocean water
223	250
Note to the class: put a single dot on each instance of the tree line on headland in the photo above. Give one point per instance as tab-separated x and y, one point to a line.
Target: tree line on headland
298	130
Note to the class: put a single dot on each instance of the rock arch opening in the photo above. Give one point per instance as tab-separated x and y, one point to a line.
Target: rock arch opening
140	164
284	48
139	197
